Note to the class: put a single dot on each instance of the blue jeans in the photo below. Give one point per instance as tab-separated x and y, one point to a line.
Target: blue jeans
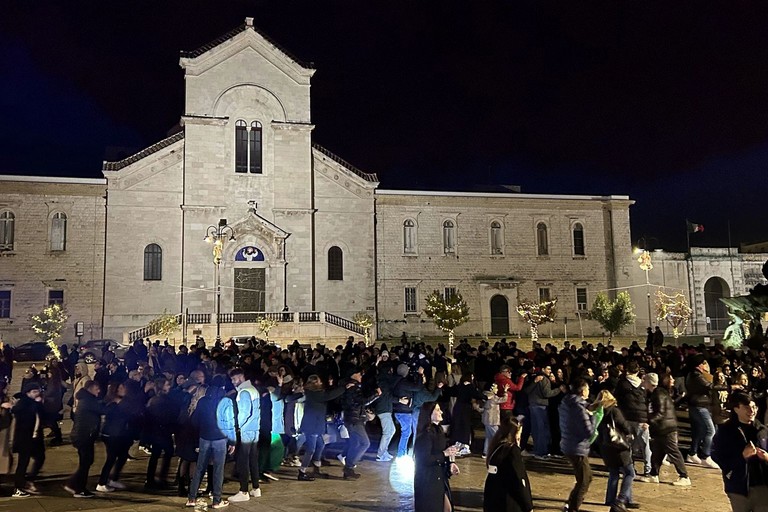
702	431
357	444
405	419
625	495
642	445
490	431
387	432
540	429
214	452
313	450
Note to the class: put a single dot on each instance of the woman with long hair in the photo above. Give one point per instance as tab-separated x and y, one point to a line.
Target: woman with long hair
507	487
461	415
618	459
433	463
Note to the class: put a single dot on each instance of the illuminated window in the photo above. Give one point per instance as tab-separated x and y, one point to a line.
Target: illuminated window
449	236
409	237
496	238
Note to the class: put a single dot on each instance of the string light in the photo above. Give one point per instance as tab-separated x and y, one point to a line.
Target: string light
537	313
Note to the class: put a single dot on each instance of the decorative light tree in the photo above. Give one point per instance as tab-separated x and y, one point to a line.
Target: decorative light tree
447	312
49	324
674	309
537	313
265	325
613	315
365	321
164	325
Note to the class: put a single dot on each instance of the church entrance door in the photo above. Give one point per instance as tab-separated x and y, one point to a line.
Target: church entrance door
499	315
250	287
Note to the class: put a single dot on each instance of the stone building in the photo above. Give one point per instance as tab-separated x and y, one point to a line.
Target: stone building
298	234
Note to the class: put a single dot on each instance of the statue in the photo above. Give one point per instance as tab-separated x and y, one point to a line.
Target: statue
745	312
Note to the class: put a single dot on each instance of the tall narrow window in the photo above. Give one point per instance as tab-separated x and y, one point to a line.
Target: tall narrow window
335	264
410	299
254	148
409	237
153	263
581	299
55	297
544	295
578	239
449	292
7	220
59	232
496	242
542	242
241	146
449	236
5	303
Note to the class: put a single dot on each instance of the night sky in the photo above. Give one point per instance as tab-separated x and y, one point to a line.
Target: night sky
664	101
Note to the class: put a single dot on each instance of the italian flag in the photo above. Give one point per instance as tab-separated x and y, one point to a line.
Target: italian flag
694	228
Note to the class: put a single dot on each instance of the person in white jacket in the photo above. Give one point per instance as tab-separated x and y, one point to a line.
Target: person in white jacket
491	415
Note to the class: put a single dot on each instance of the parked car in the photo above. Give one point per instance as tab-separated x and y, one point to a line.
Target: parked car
32	351
91	350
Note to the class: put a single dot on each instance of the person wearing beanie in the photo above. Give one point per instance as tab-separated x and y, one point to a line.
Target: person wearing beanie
662	423
353	404
28	440
699	385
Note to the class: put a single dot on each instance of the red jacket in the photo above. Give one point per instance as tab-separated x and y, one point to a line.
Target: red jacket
501	381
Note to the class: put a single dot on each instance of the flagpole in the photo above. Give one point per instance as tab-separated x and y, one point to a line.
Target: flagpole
691	288
730	257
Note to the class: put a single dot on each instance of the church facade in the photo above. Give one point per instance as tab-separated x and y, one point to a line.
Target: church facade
240	213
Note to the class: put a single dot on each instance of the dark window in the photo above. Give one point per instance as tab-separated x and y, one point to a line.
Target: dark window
542	241
496	242
55	297
544	295
581	299
5	303
410	299
241	146
7	220
578	240
153	263
449	236
335	264
449	293
254	156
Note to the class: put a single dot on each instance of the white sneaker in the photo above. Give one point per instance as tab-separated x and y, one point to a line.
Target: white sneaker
342	459
270	476
693	459
648	479
240	496
682	482
116	485
384	458
709	463
255	493
665	462
104	488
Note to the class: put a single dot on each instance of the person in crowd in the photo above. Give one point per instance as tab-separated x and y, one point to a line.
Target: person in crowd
539	392
82	376
353	404
186	435
662	423
159	425
248	411
28	440
576	427
507	487
85	431
53	403
741	451
6	420
403	392
117	438
213	445
504	380
433	463
699	386
461	425
491	416
632	400
382	407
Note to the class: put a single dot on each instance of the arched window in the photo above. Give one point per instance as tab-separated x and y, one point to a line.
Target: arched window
153	263
7	220
496	239
409	237
542	242
254	148
59	232
241	146
449	236
578	240
335	264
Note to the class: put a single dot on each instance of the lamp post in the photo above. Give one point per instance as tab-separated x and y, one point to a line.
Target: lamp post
644	259
218	235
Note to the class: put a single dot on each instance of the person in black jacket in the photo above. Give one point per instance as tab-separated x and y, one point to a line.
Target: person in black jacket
213	446
433	464
353	404
403	392
699	386
507	487
117	438
85	431
617	459
160	421
741	451
633	402
28	438
385	379
662	422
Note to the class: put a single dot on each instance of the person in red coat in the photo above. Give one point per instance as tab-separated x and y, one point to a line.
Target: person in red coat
504	381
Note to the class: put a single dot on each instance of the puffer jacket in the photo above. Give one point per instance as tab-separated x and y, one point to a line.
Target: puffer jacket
85	428
353	403
632	399
662	419
699	388
576	426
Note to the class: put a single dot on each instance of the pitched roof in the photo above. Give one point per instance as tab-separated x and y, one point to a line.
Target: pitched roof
232	33
154	148
365	175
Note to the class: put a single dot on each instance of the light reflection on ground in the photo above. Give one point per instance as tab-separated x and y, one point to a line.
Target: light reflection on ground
401	476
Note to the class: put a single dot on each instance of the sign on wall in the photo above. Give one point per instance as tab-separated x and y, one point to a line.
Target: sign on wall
249	253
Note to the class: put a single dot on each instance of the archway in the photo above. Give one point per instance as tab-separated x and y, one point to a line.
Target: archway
499	315
714	289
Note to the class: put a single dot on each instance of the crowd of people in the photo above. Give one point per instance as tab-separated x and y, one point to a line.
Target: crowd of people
264	406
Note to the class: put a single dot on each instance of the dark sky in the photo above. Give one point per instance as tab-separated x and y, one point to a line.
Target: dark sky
664	101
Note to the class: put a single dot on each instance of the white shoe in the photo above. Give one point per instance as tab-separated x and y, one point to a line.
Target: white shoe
255	493
682	482
693	459
270	476
709	463
648	479
342	459
526	453
116	485
240	496
384	458
104	488
665	462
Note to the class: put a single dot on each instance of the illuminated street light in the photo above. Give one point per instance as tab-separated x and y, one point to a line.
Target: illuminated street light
218	235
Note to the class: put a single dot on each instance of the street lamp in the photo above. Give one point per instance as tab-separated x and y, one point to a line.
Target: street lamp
218	235
644	259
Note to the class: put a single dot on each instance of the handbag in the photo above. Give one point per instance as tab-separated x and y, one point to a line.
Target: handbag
614	438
